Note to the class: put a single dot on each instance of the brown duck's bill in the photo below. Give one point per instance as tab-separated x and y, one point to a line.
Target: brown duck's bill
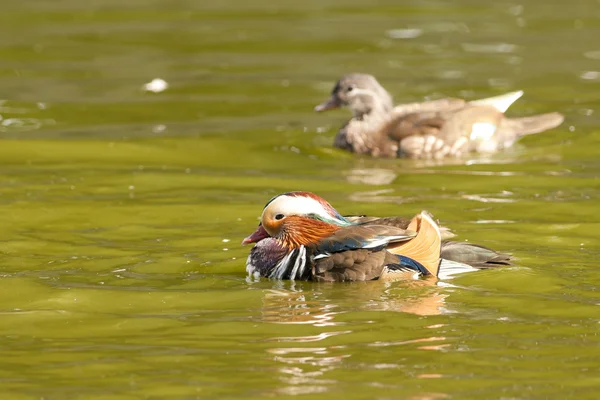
259	234
330	104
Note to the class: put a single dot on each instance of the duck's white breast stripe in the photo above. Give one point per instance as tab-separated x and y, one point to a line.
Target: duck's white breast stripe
281	267
300	263
298	258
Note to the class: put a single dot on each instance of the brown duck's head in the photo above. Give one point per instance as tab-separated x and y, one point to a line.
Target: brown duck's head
359	92
297	218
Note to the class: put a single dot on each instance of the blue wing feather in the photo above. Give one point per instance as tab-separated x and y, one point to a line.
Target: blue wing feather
407	262
335	246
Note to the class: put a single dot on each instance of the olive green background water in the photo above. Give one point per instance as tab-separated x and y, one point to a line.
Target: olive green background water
122	210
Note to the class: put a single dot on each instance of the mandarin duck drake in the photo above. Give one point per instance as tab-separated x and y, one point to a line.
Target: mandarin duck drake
430	130
302	237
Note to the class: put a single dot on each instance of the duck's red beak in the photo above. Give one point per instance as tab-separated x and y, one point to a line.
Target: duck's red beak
330	104
259	234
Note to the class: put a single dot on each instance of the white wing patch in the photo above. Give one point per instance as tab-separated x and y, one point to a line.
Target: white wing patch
482	131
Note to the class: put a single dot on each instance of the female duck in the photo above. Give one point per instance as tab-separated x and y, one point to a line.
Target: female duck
433	129
301	236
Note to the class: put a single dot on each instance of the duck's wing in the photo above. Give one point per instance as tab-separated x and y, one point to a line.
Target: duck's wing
474	127
361	252
452	127
365	265
399	222
440	105
415	124
420	119
362	237
358	253
474	255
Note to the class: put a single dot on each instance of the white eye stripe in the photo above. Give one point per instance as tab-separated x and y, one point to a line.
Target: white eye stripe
290	205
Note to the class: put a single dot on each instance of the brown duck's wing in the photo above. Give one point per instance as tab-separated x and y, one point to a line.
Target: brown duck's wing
412	136
467	128
425	246
420	119
408	125
470	128
474	255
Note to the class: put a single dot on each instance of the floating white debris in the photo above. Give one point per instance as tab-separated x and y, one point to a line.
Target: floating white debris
159	128
516	9
157	85
404	33
594	54
451	74
489	47
590	75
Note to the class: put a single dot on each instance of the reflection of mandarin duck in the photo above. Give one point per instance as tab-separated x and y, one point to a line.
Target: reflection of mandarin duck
432	129
301	236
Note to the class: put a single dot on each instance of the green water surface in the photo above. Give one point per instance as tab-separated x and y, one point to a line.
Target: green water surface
122	210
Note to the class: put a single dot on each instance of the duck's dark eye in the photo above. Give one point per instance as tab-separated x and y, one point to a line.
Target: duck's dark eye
350	88
279	216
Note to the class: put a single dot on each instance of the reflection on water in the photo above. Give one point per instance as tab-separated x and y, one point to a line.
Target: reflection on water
298	306
292	307
371	176
304	367
310	369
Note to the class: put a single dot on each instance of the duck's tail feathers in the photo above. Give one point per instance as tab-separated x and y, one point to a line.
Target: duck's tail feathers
530	125
476	256
425	247
500	103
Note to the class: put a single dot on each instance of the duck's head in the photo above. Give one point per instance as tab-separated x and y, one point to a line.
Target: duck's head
361	93
297	218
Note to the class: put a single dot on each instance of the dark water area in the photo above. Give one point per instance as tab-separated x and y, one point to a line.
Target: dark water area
122	210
